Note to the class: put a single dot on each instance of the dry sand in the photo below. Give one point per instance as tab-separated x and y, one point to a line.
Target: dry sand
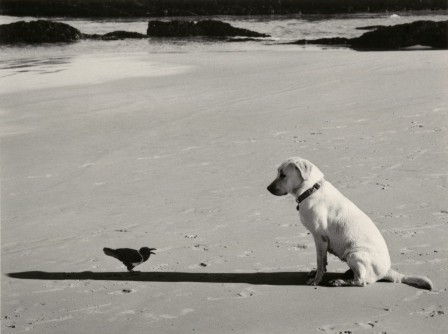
181	163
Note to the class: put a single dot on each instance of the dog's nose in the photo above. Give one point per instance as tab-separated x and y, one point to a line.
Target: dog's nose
270	188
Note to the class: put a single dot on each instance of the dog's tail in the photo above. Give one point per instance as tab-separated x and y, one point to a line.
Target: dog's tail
417	281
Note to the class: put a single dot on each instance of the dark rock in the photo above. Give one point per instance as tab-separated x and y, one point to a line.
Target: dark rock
114	35
213	28
92	36
123	35
242	40
36	32
324	41
171	29
204	28
369	27
425	33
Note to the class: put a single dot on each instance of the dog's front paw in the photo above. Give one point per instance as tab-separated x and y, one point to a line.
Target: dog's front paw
312	281
315	280
312	274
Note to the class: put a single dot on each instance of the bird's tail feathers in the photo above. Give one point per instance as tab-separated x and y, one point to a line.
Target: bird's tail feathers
110	252
417	281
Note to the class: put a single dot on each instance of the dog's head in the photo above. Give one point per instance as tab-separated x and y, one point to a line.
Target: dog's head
292	175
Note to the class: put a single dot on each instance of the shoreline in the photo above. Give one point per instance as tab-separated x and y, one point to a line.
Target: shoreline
93	69
426	33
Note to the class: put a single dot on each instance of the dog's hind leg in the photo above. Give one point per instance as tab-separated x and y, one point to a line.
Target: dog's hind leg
363	273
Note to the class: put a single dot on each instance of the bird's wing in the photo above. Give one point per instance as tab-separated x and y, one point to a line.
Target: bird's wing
126	255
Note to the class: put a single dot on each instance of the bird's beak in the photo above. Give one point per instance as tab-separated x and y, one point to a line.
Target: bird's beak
151	251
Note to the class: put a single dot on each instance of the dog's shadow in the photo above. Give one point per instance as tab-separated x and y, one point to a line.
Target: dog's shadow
257	278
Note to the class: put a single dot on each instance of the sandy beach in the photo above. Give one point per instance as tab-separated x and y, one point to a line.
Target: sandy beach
180	161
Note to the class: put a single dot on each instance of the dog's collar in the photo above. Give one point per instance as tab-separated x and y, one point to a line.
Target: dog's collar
306	194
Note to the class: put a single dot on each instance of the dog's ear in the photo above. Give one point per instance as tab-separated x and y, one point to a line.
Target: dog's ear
307	169
304	167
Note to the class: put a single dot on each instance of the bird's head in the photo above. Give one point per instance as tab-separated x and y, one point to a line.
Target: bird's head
146	252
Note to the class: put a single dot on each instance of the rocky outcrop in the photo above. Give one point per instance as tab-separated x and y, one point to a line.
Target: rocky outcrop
204	28
425	33
369	27
115	35
36	32
41	31
324	41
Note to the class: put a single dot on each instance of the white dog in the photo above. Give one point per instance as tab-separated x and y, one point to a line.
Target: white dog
338	226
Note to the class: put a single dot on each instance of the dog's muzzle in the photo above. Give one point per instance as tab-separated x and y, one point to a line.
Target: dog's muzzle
273	189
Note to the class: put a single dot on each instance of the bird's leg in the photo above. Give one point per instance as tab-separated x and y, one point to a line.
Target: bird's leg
132	272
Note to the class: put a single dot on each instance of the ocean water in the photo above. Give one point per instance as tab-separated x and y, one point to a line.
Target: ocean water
90	61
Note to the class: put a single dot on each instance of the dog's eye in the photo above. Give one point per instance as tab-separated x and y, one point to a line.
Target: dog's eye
282	175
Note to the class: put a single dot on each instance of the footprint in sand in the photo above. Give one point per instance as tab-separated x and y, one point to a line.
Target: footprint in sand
430	312
288	225
101	288
413	297
441	213
206	263
348	328
246	254
88	164
416	154
299	247
122	292
404	233
154	318
60	319
406	250
246	293
199	247
161	267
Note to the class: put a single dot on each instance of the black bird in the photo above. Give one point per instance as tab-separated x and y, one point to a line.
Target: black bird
130	257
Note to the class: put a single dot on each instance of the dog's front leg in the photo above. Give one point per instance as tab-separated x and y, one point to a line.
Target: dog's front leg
321	252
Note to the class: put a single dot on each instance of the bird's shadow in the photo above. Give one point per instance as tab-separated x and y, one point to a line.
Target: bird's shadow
257	278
